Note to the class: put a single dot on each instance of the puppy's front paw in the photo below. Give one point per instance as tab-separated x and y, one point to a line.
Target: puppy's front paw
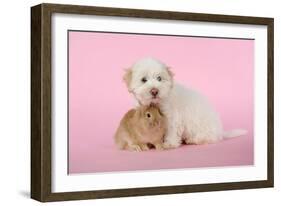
170	145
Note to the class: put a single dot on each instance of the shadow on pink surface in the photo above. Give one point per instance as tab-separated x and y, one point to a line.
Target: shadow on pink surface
232	152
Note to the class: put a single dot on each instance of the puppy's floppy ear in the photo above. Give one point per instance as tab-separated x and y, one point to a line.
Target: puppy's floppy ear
127	78
171	74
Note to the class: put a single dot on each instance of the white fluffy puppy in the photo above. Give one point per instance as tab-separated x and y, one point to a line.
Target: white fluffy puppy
190	116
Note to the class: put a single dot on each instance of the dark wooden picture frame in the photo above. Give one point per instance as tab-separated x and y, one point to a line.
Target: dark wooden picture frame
41	117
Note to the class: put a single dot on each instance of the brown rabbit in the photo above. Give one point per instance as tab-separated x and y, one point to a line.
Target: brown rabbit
140	127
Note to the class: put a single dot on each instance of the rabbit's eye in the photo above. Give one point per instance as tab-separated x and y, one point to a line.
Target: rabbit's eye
148	115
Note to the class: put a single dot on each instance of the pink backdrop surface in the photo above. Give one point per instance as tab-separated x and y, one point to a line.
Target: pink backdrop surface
221	69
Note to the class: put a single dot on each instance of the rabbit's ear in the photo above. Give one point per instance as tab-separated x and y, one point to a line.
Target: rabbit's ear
160	112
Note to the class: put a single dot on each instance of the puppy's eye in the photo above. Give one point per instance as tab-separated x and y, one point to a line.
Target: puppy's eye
159	78
144	79
148	115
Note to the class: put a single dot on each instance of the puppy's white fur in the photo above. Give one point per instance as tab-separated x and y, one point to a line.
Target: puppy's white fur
189	114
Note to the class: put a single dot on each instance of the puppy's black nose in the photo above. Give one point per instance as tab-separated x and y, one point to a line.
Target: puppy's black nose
154	92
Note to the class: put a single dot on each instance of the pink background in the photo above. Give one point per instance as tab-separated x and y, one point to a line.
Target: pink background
221	69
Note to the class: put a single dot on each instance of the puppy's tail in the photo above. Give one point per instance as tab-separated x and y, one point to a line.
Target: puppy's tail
234	133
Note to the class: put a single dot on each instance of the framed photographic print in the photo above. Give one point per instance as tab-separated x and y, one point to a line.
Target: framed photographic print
128	102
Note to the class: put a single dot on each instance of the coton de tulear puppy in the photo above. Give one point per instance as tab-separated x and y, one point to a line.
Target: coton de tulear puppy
190	117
